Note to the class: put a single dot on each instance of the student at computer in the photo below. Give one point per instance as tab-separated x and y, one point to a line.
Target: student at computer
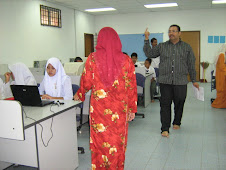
134	58
20	75
150	70
56	84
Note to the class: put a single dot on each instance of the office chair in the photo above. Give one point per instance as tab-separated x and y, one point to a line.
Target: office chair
140	82
213	84
75	88
79	118
213	81
157	95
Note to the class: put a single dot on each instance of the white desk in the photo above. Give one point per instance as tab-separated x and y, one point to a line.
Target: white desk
62	151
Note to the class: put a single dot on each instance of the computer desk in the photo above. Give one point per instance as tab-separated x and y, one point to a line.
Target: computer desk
62	150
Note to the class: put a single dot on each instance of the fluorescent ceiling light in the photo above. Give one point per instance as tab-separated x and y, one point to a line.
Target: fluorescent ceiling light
100	9
218	1
161	5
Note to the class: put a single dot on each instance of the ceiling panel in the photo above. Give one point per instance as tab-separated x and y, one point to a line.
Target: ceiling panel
133	6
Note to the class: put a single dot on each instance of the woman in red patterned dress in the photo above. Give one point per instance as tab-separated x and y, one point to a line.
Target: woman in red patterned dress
110	75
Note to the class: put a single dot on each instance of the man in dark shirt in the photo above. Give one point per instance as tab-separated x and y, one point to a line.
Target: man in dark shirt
176	61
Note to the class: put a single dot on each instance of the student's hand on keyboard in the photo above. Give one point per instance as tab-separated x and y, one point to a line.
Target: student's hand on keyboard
46	96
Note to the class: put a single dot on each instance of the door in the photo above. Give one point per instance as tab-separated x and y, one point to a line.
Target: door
89	44
193	39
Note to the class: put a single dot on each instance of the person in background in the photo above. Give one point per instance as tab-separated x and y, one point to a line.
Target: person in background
150	70
155	61
56	84
154	42
134	58
20	74
110	75
78	59
176	61
220	101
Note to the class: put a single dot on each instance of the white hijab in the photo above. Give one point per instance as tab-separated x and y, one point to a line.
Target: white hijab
22	74
53	85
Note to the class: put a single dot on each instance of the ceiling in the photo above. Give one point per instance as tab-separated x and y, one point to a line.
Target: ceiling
135	6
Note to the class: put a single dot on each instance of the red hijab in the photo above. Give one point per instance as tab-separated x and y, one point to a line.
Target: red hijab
109	57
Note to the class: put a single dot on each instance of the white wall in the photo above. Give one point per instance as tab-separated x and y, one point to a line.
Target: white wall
207	21
85	23
23	39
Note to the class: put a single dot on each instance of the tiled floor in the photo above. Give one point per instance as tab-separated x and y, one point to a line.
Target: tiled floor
200	144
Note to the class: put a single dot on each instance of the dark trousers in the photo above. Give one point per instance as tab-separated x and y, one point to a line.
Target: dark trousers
153	89
169	93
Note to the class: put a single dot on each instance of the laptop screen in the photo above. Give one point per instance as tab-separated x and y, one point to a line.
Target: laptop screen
26	95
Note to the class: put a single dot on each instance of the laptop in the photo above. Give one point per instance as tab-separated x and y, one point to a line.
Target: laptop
28	95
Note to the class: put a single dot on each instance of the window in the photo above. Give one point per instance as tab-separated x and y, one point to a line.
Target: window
50	16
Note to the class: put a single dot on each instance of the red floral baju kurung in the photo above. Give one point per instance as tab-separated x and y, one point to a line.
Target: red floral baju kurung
109	109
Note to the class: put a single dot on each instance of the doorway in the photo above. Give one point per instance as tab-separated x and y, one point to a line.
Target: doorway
89	44
193	39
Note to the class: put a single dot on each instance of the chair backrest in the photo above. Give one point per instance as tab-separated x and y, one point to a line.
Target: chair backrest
157	72
73	68
80	69
212	73
140	70
75	88
140	80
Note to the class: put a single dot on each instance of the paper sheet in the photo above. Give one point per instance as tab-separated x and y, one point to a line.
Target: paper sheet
199	94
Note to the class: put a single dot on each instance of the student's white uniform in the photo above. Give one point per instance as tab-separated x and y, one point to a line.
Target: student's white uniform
59	85
22	75
137	64
151	71
155	62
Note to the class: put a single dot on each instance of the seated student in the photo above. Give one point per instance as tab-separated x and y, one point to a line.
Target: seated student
21	75
134	59
56	84
78	59
150	70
